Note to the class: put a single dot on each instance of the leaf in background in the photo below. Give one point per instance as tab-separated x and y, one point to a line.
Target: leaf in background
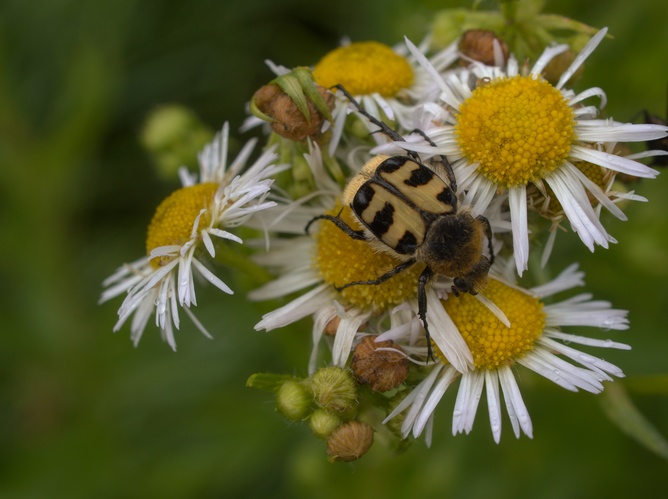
621	410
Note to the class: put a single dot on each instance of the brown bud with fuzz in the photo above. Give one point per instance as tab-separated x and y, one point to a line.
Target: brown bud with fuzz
288	120
382	370
478	45
350	441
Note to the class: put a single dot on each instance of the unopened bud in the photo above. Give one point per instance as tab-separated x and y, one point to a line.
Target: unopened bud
173	135
382	370
395	424
482	46
350	441
285	117
335	389
294	400
560	63
323	423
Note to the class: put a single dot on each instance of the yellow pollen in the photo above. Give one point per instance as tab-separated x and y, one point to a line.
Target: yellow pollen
517	129
173	220
365	68
492	344
341	259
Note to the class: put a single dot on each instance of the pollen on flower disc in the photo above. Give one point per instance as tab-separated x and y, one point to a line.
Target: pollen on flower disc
492	344
341	260
364	68
172	223
516	129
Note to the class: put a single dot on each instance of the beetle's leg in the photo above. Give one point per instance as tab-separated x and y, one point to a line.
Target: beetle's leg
488	234
354	234
427	274
474	281
399	268
384	127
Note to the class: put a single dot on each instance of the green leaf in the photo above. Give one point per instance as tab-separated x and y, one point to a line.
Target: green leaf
621	410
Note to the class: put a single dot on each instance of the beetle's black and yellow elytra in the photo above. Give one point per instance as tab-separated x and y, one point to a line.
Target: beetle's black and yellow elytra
410	210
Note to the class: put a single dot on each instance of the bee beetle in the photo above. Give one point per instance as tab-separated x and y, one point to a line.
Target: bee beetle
410	210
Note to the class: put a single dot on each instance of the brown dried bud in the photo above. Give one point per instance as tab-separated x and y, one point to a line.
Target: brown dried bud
289	122
478	44
382	370
332	326
350	441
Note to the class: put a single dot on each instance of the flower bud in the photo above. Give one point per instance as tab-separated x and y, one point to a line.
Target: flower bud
382	370
334	389
556	67
478	44
350	441
323	423
286	118
294	400
173	135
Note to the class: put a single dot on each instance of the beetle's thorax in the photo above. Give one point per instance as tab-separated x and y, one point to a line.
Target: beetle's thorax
453	245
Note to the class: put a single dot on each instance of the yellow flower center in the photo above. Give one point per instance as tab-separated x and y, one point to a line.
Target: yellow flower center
517	129
364	68
492	344
341	259
172	223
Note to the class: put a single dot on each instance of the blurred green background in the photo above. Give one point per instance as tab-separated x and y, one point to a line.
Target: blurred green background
84	414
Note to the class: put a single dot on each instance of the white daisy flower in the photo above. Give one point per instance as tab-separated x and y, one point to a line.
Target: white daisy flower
219	198
509	129
534	340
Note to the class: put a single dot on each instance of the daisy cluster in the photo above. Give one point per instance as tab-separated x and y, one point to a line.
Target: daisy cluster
519	149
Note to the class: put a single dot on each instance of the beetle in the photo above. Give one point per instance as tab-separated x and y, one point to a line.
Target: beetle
411	211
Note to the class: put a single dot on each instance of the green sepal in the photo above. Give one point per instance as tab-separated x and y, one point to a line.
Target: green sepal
301	88
268	382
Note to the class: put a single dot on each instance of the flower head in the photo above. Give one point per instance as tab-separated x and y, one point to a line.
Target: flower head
510	129
532	339
184	224
387	82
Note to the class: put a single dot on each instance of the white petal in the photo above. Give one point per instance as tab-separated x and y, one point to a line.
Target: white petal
613	162
212	278
345	335
299	308
493	403
439	389
518	217
517	411
548	54
445	334
466	404
581	57
590	92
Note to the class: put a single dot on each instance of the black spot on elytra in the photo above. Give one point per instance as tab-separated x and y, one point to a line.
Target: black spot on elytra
447	196
392	164
382	221
363	198
419	176
407	245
